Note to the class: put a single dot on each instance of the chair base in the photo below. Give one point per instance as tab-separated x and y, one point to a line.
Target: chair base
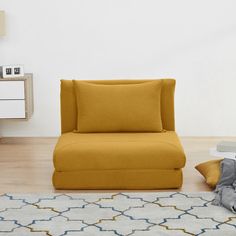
118	179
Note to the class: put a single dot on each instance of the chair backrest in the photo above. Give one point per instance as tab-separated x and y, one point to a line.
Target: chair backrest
69	108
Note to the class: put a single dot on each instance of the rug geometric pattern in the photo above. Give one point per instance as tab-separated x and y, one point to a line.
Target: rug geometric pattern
107	214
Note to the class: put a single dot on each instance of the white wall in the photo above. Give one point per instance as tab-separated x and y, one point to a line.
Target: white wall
192	41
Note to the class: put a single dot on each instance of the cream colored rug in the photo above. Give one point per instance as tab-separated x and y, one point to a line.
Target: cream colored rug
139	214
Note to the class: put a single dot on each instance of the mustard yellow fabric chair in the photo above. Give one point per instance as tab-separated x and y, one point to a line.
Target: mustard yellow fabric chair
148	160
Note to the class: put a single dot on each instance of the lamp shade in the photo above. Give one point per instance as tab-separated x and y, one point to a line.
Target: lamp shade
2	23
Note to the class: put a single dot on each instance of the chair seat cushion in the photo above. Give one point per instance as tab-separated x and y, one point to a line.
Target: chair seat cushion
117	151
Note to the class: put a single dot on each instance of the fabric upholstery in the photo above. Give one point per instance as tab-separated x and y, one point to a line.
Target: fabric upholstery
69	109
116	151
128	160
118	179
118	108
210	171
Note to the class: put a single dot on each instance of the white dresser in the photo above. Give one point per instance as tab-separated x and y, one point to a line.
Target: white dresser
16	97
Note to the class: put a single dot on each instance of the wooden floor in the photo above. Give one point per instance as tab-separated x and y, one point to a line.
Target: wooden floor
26	164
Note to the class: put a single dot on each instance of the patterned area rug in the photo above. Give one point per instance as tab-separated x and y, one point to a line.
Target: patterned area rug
139	214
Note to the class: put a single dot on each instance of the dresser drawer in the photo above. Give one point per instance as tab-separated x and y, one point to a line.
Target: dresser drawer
12	109
12	90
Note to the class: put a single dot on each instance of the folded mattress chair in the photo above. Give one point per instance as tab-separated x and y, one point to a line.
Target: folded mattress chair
117	160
